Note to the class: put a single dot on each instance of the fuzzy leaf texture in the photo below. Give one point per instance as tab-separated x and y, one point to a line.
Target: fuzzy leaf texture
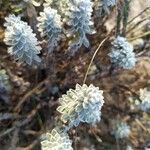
22	41
50	25
122	54
81	105
80	23
121	130
56	141
145	97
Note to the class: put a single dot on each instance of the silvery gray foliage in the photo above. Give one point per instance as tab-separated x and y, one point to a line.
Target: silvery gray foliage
121	130
145	97
122	54
50	25
56	141
22	41
81	105
80	22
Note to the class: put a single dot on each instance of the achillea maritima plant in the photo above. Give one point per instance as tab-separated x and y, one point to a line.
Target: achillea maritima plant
56	141
80	23
81	105
50	25
22	41
122	54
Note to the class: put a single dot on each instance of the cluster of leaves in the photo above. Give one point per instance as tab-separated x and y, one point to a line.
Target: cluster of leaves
122	54
22	41
50	25
80	105
56	140
76	14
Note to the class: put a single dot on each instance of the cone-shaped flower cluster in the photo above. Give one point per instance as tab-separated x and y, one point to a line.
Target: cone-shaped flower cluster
145	97
56	141
22	41
121	130
80	22
50	25
122	54
81	105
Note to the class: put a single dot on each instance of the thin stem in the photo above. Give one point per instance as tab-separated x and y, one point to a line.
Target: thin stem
27	95
93	59
137	24
118	146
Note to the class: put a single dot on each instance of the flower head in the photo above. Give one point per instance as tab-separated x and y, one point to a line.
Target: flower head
56	141
81	105
122	54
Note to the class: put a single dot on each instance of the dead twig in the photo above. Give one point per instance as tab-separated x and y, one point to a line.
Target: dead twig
129	22
26	96
142	126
